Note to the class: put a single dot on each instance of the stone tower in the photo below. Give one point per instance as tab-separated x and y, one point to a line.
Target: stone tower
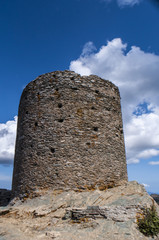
70	134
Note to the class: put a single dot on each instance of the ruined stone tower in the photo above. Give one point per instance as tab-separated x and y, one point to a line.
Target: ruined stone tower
70	134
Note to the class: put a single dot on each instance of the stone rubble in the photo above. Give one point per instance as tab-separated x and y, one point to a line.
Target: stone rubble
115	213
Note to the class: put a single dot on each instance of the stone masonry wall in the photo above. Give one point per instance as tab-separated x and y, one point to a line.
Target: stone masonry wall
70	134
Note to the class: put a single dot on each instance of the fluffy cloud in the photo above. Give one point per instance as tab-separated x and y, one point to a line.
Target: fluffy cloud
7	141
154	163
136	73
123	3
142	137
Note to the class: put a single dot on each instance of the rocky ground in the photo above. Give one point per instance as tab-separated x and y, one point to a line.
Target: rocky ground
91	215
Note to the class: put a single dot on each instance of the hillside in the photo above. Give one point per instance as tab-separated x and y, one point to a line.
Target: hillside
92	215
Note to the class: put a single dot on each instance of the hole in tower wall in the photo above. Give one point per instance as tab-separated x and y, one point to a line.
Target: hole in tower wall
95	129
96	91
36	124
60	105
56	89
52	150
26	112
74	88
92	107
60	120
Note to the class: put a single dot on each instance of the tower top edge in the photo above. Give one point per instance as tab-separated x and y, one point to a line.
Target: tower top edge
70	75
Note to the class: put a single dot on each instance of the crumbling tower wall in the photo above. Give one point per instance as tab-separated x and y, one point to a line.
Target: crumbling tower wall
70	134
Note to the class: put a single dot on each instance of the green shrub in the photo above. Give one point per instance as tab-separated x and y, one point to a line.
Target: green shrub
148	222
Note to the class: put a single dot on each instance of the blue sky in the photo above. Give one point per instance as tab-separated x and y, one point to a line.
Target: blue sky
115	39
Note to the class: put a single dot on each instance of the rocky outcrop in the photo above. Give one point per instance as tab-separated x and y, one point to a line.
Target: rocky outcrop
68	215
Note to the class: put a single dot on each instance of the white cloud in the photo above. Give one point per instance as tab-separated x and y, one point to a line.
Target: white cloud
142	136
148	153
136	73
145	185
123	3
88	49
7	141
128	2
133	160
154	163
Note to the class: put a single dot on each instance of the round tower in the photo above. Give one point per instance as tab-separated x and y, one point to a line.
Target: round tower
69	135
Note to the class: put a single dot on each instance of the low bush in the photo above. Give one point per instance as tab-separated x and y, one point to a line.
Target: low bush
148	222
